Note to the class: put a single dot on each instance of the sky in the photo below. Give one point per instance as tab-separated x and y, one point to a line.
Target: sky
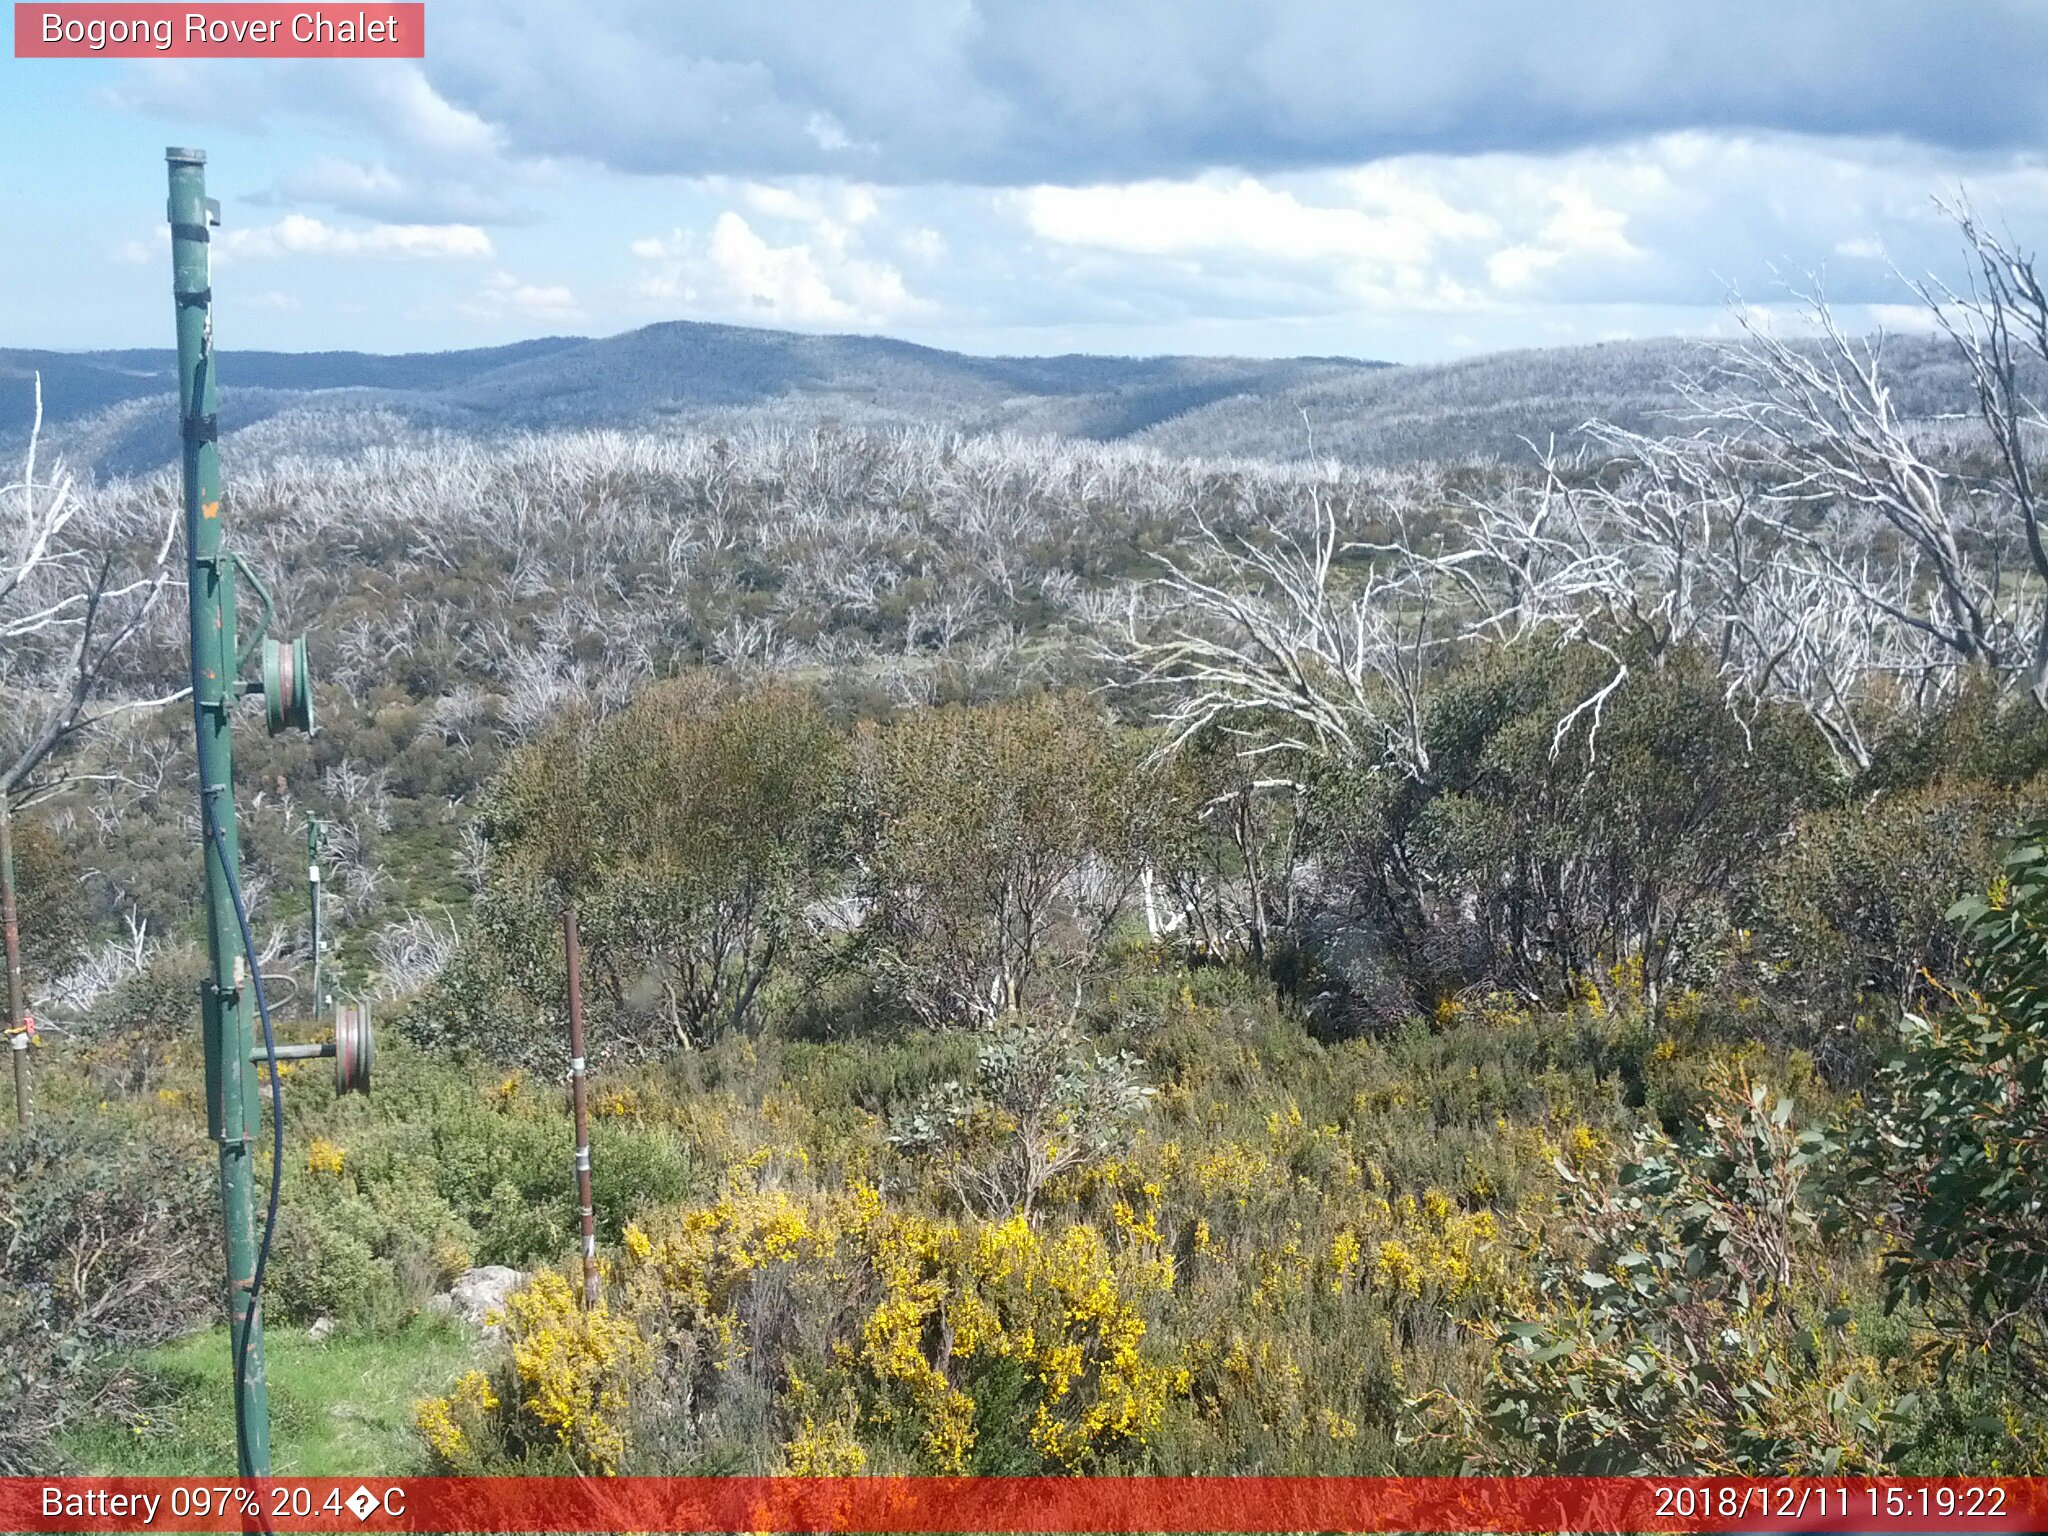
1412	180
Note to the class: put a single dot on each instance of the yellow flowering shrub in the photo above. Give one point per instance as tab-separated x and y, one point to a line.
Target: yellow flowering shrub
1068	1308
708	1251
693	1268
1235	1172
451	1258
822	1448
943	1299
1259	1374
618	1104
825	1450
1264	1272
448	1423
576	1368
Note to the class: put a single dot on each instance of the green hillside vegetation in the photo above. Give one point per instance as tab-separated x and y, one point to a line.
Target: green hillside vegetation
1095	961
916	1152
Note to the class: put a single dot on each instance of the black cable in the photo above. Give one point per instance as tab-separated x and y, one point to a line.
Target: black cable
218	841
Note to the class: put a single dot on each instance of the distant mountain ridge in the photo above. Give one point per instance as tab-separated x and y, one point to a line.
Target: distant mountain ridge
681	370
111	412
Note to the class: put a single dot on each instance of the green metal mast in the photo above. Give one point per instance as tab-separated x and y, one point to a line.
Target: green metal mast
233	1109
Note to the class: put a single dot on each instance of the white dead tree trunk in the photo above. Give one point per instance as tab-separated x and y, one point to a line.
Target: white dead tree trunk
1995	325
1272	643
69	602
1843	475
73	594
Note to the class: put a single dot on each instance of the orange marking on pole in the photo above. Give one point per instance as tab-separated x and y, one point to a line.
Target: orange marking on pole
210	508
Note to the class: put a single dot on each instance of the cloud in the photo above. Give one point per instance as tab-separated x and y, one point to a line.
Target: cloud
1579	227
826	133
1271	175
808	270
376	190
504	296
1903	319
419	116
392	100
298	234
924	245
1023	92
1368	239
440	164
139	253
1657	226
1243	215
1382	235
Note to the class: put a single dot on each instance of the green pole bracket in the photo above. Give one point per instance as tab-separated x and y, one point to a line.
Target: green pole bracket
248	574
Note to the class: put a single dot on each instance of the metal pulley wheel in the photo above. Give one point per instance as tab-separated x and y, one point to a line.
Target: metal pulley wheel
287	686
354	1048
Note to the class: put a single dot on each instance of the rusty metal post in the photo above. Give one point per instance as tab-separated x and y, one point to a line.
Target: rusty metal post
16	1003
579	1094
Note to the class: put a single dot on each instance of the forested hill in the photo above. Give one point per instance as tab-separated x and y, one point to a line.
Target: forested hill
110	411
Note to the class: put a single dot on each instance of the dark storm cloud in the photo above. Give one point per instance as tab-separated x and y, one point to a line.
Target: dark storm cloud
1005	92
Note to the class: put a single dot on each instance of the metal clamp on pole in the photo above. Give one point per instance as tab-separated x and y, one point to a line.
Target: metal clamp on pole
19	1041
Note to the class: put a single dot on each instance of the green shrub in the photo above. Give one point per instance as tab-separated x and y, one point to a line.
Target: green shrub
112	1245
364	1244
1948	1161
1982	737
52	917
134	1030
1531	853
320	1267
1850	916
1041	1102
998	848
1680	1333
694	832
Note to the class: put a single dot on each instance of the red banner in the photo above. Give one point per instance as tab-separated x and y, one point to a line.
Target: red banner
1002	1504
232	31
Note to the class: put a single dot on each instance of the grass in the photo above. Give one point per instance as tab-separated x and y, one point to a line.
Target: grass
339	1407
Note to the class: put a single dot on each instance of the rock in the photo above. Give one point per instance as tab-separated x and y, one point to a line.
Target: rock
478	1295
322	1326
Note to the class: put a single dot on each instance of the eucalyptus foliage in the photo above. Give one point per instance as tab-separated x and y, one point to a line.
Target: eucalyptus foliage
1950	1158
1682	1333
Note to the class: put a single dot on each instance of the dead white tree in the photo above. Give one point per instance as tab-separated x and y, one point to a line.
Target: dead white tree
1996	324
1634	546
74	590
412	952
73	593
1270	641
1627	546
1851	496
1691	546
